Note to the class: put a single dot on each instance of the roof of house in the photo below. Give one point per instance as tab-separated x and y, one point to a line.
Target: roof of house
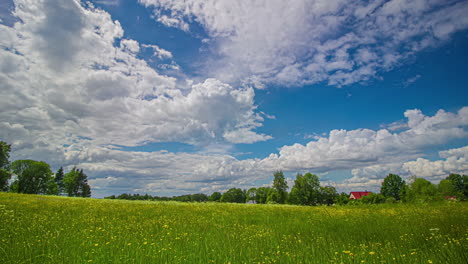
358	195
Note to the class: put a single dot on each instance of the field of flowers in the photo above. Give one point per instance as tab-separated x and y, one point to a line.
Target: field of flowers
47	229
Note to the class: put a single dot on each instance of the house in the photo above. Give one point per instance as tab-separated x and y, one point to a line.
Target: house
358	195
251	202
450	198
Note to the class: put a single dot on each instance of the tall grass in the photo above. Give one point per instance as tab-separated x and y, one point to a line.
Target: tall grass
46	229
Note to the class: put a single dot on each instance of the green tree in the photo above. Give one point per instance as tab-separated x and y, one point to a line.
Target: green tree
342	198
446	188
33	177
233	195
76	184
373	198
404	192
281	186
215	197
4	154
273	197
5	174
421	190
465	186
52	188
391	186
199	197
59	179
328	195
262	193
251	194
457	183
306	190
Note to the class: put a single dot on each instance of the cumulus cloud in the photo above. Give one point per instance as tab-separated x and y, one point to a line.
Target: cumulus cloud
455	161
344	149
303	42
159	52
67	74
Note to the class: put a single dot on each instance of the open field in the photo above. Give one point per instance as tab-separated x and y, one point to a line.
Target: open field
47	229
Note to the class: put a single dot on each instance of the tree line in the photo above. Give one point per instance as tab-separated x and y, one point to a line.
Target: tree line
36	177
308	191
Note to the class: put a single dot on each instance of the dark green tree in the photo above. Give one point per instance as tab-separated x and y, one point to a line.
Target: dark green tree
199	197
328	195
215	197
5	174
76	184
391	186
4	154
233	195
281	186
306	190
34	177
342	199
251	194
59	179
273	197
457	183
262	193
446	188
465	187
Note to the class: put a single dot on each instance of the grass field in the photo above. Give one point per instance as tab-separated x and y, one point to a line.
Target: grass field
47	229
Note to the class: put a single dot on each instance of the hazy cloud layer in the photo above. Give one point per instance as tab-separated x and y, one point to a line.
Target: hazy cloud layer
304	42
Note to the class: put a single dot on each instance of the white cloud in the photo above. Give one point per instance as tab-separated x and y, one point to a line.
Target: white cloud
130	46
108	2
302	42
455	161
159	52
344	149
64	77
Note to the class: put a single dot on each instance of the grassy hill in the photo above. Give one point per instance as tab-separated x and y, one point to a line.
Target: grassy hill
50	229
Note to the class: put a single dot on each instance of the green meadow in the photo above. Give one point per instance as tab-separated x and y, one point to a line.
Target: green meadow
51	229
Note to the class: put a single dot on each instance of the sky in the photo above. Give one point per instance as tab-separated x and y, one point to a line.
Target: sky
196	96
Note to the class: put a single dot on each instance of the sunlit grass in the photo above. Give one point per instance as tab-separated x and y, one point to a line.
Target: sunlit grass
47	229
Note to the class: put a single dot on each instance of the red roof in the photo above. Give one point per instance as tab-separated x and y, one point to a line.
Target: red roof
358	195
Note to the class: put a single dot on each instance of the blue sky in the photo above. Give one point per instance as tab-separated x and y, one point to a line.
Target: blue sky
173	97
